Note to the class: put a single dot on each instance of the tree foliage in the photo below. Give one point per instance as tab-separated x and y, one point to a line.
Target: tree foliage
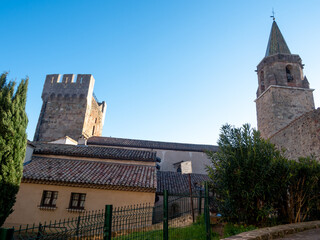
13	139
303	198
253	182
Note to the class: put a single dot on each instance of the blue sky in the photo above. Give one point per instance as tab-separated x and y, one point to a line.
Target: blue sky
168	70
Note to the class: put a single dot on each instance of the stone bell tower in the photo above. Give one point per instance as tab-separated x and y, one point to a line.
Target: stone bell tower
283	93
69	108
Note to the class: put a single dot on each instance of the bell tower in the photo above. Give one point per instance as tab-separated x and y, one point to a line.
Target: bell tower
283	91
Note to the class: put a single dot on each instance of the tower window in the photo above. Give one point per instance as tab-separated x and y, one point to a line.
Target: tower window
93	130
262	81
288	73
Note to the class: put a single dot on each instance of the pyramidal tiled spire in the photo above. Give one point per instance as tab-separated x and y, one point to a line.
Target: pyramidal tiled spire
276	43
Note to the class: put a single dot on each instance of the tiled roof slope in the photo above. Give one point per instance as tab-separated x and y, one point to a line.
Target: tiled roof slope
123	142
177	183
276	43
94	152
90	174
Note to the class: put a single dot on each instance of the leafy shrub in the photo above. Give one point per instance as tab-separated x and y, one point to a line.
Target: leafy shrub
233	229
254	184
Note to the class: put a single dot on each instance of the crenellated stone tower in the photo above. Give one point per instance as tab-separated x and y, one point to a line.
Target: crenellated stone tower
69	108
283	93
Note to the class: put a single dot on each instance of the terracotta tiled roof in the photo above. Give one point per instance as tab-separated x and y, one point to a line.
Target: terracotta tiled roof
133	143
177	183
90	174
94	152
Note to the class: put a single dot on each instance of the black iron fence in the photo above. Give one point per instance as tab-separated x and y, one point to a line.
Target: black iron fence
173	217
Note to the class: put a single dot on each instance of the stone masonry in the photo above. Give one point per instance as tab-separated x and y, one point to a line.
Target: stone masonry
285	107
69	108
301	137
280	105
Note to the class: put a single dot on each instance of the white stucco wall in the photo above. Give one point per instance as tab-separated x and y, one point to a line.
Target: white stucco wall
29	152
27	211
170	157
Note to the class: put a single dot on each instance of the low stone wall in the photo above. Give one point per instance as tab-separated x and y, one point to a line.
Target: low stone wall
275	232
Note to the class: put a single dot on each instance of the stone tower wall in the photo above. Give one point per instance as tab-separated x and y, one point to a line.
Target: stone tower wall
301	138
278	106
272	71
69	108
94	119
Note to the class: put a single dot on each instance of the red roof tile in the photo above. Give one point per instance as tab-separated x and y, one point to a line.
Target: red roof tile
94	173
178	183
94	152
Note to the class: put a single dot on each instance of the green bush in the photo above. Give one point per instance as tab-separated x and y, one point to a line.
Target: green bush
13	140
303	198
233	229
254	184
247	174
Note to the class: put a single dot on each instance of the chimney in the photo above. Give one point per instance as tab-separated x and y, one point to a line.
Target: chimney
82	140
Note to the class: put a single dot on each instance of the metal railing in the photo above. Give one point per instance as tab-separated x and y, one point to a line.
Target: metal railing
83	227
170	218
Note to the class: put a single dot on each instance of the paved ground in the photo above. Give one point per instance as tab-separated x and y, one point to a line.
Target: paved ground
313	234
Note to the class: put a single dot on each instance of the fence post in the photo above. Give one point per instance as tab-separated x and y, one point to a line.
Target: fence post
165	216
40	230
6	233
107	229
3	233
78	225
199	202
206	212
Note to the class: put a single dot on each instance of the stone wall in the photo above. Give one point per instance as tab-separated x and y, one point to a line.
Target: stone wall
272	71
61	117
270	233
94	118
280	105
69	108
301	137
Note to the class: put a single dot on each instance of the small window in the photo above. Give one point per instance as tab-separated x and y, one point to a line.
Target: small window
93	130
49	198
288	73
77	200
177	166
262	81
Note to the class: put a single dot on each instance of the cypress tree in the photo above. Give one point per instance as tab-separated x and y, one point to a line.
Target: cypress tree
13	140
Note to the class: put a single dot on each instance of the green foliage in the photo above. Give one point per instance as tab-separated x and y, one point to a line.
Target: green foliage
196	230
234	229
255	184
247	173
303	199
13	139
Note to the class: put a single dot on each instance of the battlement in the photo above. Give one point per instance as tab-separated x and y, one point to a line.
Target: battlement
68	87
69	108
